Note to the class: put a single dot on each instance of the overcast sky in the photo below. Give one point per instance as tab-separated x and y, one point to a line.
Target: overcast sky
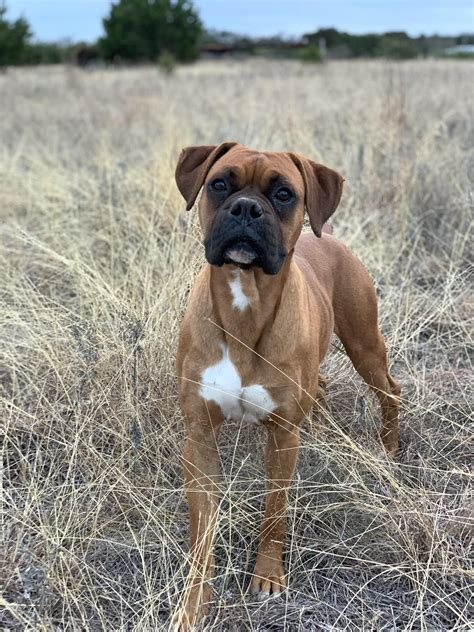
82	19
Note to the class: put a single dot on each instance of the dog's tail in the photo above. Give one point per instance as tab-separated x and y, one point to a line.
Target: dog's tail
327	228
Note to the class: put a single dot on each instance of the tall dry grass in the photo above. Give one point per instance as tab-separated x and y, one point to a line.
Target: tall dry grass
97	261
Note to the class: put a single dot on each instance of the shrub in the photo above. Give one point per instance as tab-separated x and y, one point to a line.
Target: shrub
166	62
310	54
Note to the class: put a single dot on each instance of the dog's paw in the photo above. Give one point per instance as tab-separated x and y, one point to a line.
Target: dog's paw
268	578
193	609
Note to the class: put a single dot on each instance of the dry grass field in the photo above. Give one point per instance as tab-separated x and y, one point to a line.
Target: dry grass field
97	259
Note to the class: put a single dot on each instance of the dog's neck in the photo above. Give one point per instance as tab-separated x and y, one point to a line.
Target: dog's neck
245	302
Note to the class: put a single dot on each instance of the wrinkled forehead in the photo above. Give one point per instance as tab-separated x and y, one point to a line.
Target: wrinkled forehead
247	167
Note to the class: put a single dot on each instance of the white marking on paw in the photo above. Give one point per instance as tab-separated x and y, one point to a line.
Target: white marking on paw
239	298
221	383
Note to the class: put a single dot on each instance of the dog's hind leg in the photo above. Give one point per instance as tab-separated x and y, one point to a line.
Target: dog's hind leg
357	328
371	363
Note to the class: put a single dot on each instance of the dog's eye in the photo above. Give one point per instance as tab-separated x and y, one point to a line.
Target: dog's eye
218	185
283	195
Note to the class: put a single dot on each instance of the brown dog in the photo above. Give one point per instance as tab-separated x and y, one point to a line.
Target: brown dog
258	324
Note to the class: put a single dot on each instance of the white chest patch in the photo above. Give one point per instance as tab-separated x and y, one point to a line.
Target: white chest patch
221	383
239	299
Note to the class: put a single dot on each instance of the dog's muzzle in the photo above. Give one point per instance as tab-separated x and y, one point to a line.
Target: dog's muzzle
246	234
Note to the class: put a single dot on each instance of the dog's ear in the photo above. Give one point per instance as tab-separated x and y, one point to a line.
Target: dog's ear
193	166
323	190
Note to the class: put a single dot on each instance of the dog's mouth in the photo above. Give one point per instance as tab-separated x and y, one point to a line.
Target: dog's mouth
245	250
241	253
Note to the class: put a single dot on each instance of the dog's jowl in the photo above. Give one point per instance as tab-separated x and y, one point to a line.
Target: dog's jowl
258	324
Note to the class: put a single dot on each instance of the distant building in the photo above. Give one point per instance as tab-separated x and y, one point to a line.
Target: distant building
217	50
460	49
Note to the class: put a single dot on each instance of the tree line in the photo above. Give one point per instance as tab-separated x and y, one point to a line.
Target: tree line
169	31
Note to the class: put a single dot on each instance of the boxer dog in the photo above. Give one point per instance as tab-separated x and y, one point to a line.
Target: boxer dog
258	324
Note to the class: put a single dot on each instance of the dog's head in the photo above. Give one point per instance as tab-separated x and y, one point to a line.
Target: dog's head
253	203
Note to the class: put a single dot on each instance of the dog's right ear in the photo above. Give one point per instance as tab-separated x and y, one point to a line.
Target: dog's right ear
193	166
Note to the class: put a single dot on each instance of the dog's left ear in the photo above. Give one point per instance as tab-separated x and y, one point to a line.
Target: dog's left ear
193	166
323	190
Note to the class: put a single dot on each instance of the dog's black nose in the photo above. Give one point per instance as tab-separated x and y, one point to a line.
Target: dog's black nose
246	209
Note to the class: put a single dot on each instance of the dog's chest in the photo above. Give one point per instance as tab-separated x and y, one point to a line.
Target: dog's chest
222	383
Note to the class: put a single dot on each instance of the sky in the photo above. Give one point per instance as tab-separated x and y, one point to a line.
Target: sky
53	20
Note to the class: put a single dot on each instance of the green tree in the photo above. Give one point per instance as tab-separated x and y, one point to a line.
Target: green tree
45	53
14	38
142	30
331	36
363	45
465	38
397	45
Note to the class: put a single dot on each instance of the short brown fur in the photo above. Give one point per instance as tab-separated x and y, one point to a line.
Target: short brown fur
279	341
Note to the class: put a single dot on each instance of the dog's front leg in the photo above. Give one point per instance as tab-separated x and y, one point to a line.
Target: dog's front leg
201	474
280	460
